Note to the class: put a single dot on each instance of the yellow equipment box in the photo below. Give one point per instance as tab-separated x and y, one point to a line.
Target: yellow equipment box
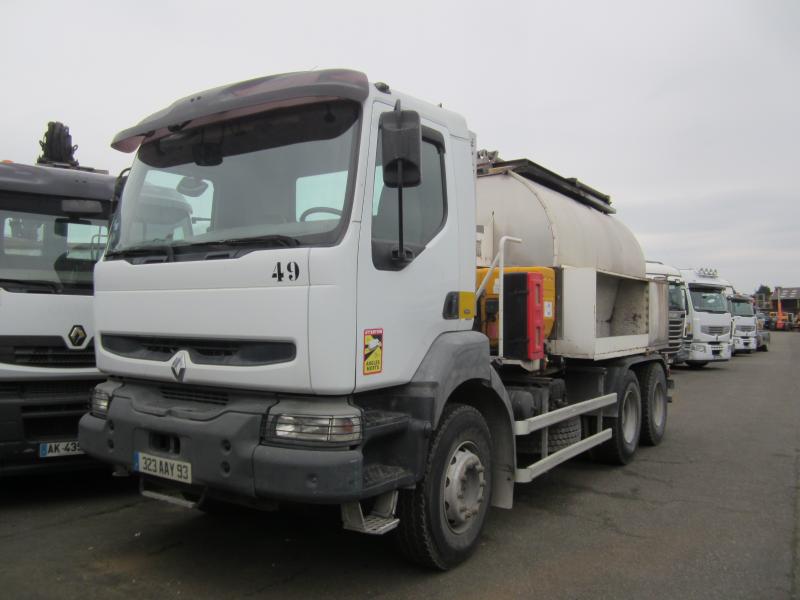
493	291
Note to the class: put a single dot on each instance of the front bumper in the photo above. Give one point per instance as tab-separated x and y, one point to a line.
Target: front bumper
40	412
709	351
744	343
223	445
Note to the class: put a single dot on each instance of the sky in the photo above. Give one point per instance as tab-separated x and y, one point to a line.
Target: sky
687	113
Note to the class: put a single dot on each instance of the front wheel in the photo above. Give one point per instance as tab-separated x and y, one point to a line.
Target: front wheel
442	518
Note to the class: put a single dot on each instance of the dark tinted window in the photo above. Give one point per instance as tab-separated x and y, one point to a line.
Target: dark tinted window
424	206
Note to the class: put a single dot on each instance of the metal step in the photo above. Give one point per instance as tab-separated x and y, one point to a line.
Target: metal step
381	520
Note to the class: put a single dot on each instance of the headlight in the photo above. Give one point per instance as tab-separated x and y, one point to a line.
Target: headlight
698	348
307	428
100	403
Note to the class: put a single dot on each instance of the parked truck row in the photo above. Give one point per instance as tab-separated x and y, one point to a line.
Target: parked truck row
315	289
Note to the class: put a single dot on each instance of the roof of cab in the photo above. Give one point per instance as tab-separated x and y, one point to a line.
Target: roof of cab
243	98
256	95
54	181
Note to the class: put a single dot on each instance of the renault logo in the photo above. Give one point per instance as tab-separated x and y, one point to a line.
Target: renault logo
77	335
179	366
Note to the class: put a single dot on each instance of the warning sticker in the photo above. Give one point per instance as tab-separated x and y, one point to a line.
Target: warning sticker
373	351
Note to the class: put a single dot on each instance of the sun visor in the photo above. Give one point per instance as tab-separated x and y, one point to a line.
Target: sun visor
247	97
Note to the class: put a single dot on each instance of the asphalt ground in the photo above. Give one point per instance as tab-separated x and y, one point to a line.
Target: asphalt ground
710	513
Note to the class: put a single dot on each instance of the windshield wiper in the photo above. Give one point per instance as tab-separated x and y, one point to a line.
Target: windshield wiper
33	285
147	248
269	240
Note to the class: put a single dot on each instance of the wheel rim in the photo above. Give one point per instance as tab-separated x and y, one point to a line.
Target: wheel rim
629	424
659	408
462	488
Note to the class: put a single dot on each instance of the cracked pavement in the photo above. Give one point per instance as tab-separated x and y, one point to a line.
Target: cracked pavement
710	513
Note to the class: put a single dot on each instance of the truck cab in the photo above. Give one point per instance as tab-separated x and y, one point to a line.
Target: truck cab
709	318
745	324
53	228
676	351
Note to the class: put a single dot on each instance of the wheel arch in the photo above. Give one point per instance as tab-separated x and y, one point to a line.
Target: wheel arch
491	400
457	367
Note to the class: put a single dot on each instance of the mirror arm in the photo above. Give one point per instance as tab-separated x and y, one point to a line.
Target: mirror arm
400	251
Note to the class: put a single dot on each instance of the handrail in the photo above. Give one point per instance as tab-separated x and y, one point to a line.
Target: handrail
501	258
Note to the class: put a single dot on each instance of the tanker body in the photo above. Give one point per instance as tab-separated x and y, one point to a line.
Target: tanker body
339	345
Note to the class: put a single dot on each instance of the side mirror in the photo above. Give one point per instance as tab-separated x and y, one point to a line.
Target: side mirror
401	143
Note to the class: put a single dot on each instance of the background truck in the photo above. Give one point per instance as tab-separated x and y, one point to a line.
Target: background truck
744	324
323	335
53	224
676	351
709	318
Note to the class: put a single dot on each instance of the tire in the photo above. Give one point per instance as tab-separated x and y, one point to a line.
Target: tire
432	532
626	427
696	364
563	434
654	405
764	348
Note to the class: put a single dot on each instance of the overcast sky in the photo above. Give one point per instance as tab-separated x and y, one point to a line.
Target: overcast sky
685	112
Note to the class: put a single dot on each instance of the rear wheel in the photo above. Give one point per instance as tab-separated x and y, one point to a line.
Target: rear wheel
654	404
442	518
626	427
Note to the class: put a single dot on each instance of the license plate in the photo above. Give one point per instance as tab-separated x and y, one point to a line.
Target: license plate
167	468
52	449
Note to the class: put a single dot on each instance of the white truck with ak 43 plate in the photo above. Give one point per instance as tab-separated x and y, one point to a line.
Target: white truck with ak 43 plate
709	335
305	320
53	224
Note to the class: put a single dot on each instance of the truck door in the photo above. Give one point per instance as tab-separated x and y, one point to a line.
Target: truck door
400	303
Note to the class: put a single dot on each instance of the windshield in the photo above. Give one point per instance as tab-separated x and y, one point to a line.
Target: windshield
742	308
285	175
708	299
677	301
43	249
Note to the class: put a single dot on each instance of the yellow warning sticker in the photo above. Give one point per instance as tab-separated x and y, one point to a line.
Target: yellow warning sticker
373	351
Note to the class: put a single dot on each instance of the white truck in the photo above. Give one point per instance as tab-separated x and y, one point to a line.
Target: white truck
745	338
709	319
676	352
53	224
323	335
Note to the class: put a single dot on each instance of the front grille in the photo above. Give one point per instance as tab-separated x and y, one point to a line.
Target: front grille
675	335
45	352
235	353
42	390
746	328
52	427
715	329
50	410
193	394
